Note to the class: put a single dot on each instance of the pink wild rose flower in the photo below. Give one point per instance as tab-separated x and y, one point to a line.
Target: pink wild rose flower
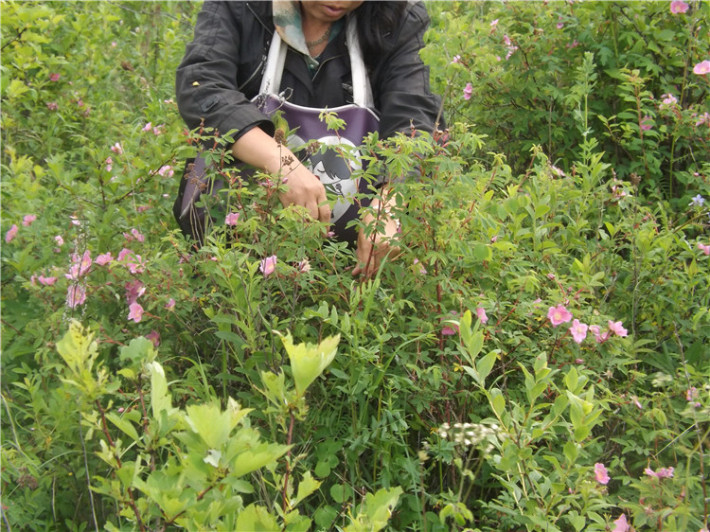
304	266
28	219
166	171
669	100
11	233
467	91
617	328
232	218
702	68
705	248
598	335
578	331
481	313
678	6
621	524
137	235
46	281
601	475
267	266
664	472
76	295
558	315
104	259
154	336
134	290
80	266
450	329
136	312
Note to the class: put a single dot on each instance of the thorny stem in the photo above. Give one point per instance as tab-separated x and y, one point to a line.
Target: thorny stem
284	496
88	479
145	420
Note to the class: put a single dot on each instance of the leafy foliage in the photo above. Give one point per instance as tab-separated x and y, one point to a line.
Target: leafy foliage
534	358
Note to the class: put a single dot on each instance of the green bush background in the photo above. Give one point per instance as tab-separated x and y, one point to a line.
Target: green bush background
309	399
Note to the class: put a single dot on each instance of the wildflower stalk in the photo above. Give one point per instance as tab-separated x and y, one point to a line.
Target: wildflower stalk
696	425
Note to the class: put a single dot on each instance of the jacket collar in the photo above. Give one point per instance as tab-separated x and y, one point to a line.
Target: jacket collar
287	20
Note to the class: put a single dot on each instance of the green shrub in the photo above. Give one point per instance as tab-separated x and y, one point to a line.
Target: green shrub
534	357
648	108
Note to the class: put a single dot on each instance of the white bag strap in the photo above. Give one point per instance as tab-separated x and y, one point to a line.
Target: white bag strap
362	92
275	61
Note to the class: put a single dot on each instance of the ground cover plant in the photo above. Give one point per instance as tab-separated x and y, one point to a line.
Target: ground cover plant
535	358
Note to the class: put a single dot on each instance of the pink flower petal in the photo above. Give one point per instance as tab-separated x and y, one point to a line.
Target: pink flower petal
578	331
558	315
601	474
28	219
136	312
621	525
268	265
702	68
11	233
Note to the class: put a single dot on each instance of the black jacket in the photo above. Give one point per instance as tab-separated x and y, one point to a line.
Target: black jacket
222	69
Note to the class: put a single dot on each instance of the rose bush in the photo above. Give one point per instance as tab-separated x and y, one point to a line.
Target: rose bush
534	358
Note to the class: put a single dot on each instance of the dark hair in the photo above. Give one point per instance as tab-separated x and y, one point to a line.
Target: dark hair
377	22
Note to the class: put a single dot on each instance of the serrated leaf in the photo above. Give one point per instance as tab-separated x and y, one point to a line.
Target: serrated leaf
123	425
307	486
159	397
256	519
308	361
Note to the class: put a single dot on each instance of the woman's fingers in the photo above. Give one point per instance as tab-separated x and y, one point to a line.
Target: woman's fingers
323	210
305	189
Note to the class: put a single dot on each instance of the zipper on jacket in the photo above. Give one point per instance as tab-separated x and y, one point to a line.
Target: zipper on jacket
320	65
259	70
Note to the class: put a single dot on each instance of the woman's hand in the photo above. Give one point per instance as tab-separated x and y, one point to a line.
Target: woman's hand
372	249
305	189
257	148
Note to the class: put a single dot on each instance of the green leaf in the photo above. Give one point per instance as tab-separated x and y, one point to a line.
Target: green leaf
123	425
497	402
471	336
485	365
571	450
77	348
307	486
256	458
159	397
256	519
137	352
376	510
308	361
211	423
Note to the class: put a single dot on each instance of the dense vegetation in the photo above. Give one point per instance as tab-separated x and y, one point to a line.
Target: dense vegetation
536	357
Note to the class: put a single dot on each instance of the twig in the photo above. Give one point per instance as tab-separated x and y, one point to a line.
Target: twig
284	497
88	479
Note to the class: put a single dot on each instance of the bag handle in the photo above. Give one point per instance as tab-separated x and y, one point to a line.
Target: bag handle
362	92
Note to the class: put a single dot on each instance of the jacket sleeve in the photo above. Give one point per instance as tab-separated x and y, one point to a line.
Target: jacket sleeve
402	92
206	80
